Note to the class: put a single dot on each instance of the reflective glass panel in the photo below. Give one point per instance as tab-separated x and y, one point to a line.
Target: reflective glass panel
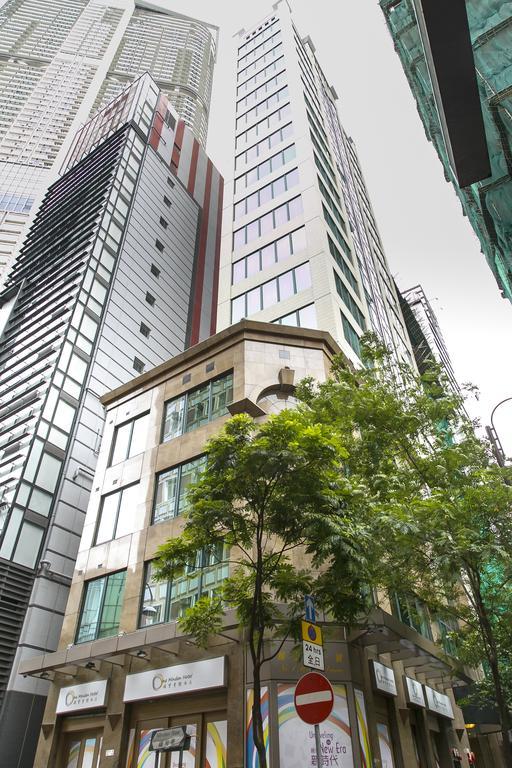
165	500
174	419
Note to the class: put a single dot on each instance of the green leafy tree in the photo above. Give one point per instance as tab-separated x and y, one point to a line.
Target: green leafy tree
440	508
274	494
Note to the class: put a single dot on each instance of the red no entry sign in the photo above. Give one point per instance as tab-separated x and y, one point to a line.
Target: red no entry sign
314	698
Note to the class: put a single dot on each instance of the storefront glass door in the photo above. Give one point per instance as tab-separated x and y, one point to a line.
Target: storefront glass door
144	758
82	750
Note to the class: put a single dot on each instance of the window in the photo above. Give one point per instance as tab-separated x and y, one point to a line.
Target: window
263	126
167	201
271	292
301	318
101	607
266	193
145	330
279	250
351	335
270	165
168	601
171	489
118	514
349	301
159	245
129	439
263	106
268	222
138	365
344	267
170	182
155	271
150	298
413	612
163	222
198	407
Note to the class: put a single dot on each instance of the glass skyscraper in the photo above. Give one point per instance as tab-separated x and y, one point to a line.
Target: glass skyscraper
117	274
63	60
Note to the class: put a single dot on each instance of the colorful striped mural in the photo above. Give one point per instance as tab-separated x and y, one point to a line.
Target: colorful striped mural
216	744
252	755
362	727
297	739
386	747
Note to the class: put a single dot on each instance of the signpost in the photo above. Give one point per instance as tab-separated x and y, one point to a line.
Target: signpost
312	646
175	739
309	609
314	700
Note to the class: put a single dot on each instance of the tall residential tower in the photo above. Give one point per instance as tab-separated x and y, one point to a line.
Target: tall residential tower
300	242
117	274
63	60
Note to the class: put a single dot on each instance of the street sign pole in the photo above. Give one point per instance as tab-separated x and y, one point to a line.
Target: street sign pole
314	701
318	747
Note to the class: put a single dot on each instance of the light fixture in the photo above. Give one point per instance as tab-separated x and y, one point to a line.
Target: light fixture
141	654
90	665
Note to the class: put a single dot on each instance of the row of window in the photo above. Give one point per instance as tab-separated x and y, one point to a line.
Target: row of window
267	32
305	317
257	52
342	264
255	66
351	335
275	64
270	165
337	234
102	599
270	254
266	194
337	215
260	91
118	511
270	293
268	222
349	301
197	407
264	145
263	126
182	414
263	106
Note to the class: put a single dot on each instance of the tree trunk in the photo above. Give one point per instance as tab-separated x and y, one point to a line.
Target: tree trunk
257	719
505	719
492	658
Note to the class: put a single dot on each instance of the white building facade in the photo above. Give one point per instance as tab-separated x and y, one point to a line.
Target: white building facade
63	60
300	242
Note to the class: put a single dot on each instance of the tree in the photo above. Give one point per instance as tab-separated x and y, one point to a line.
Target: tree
441	509
274	494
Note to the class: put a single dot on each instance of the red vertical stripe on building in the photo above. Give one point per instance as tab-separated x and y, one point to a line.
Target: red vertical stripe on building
193	168
158	121
197	295
156	131
216	266
178	141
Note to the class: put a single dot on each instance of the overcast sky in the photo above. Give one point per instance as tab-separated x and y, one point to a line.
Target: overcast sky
426	238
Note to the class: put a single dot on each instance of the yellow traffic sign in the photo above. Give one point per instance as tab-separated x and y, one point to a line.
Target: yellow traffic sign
311	633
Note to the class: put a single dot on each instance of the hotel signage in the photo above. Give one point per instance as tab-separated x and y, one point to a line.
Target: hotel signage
181	678
83	696
414	692
383	679
439	703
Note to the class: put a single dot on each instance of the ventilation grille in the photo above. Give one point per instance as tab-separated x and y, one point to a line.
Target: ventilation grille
15	588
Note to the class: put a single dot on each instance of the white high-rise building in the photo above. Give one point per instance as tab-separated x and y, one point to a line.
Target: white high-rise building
300	242
63	60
